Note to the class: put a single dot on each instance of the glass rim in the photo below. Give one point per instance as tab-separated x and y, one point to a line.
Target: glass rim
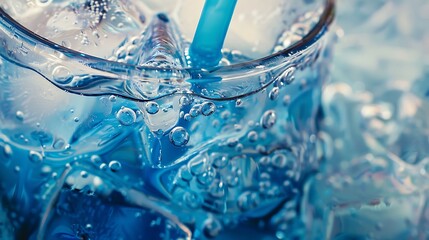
312	36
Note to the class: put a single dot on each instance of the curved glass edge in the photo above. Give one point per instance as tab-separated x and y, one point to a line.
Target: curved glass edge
19	44
324	21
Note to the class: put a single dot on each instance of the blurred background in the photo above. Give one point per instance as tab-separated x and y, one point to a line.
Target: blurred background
375	135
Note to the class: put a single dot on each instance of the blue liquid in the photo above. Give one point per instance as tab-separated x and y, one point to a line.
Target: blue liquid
212	159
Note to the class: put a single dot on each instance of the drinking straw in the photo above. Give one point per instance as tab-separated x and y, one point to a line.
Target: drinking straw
205	50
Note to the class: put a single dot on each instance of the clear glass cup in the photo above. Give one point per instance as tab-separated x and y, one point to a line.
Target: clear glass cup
122	147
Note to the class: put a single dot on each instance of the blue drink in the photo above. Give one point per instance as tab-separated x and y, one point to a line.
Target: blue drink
126	139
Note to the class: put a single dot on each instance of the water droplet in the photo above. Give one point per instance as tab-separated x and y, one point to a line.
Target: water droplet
35	157
76	119
274	93
208	108
126	116
114	166
268	119
219	160
248	200
152	107
179	137
212	228
62	75
19	115
252	136
84	174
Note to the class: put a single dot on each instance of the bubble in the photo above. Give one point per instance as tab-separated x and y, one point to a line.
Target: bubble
59	143
232	180
195	110
76	119
19	115
126	116
287	76
264	186
279	161
35	157
212	228
152	107
185	101
248	200
197	166
179	137
218	189
268	119
264	161
7	150
132	50
114	166
225	115
84	174
113	98
185	174
252	136
103	166
192	199
239	148
219	160
96	160
239	103
232	142
43	2
274	93
62	75
286	100
187	117
208	108
207	177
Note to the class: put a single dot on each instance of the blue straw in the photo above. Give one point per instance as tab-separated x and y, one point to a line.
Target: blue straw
205	50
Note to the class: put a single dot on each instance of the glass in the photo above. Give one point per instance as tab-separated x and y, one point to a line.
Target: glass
140	144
